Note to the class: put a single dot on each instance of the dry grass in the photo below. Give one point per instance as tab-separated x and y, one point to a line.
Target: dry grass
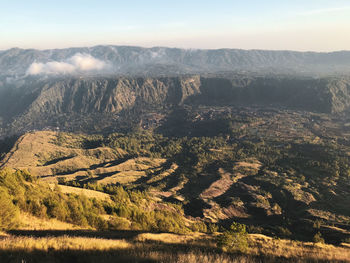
219	187
199	257
61	243
253	164
81	191
29	222
162	175
260	244
168	238
3	234
123	177
33	150
169	248
37	153
166	247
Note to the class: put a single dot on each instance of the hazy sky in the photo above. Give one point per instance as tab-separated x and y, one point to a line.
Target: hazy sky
320	25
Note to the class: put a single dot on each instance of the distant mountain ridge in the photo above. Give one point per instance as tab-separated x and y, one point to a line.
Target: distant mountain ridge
129	60
122	80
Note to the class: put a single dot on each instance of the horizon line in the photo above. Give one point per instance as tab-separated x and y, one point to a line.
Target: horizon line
181	48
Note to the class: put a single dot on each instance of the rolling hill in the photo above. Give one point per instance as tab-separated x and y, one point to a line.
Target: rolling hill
217	180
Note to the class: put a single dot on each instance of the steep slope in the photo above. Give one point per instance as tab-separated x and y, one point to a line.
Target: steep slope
112	94
105	104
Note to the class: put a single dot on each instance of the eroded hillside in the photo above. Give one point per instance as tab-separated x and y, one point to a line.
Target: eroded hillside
107	104
296	176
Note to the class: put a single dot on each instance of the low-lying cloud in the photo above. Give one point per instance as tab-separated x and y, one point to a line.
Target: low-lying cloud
79	63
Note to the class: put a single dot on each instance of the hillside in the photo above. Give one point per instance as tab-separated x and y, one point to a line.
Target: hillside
107	104
187	162
32	232
298	177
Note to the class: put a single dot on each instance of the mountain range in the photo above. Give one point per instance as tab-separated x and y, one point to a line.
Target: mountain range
128	60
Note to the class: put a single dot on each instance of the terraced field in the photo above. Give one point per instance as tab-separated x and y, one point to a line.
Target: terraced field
39	153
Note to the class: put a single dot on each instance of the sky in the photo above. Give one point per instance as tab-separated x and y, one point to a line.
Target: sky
303	25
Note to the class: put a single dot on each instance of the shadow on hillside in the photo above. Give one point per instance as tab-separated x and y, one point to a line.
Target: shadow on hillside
76	256
120	234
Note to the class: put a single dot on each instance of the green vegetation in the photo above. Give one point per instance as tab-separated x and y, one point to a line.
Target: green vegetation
318	238
8	211
127	210
23	192
293	175
279	172
291	181
235	238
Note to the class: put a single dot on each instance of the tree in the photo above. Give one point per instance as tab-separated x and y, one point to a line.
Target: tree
234	239
8	212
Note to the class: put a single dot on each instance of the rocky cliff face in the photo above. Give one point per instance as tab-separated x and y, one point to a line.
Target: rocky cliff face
303	94
112	95
34	99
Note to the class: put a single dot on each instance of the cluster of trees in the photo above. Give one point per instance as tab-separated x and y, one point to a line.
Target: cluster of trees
19	191
131	211
185	151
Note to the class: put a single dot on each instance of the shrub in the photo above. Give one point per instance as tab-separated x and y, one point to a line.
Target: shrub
234	239
199	227
284	232
318	238
8	212
118	223
255	229
212	228
317	224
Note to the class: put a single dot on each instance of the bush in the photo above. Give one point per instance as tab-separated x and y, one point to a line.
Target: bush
199	227
318	238
118	223
8	212
284	232
212	228
234	239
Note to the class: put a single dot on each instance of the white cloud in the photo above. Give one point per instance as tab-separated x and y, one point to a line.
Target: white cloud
79	63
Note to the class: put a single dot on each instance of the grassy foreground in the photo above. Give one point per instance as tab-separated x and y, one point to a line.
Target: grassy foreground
132	246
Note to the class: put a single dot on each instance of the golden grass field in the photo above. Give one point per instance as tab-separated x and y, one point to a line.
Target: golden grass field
161	247
30	222
81	191
45	244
